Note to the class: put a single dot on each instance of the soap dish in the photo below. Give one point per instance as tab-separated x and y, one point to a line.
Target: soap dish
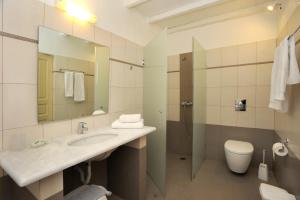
38	143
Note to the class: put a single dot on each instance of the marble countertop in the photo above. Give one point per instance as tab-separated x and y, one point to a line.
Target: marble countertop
33	164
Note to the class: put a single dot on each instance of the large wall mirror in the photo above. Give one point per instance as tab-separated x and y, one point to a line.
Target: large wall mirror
73	77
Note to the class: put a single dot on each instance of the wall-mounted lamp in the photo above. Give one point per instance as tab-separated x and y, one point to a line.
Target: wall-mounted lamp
76	9
274	6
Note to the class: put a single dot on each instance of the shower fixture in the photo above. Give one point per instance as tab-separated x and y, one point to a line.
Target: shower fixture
275	6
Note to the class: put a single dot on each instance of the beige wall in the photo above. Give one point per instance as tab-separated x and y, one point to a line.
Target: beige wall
249	81
288	125
173	88
242	30
18	65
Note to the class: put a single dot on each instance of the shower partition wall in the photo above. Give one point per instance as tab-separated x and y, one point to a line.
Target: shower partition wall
199	107
155	103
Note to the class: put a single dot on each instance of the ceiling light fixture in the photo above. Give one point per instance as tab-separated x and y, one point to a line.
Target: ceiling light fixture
76	9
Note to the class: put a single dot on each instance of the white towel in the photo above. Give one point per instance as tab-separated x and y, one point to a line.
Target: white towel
69	83
79	92
132	118
280	71
119	125
294	75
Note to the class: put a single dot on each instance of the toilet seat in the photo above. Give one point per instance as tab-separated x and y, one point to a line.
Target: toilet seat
269	192
239	147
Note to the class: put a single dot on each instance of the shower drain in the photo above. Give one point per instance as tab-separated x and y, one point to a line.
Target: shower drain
182	158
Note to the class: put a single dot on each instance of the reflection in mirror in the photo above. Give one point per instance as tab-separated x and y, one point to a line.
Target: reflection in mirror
73	77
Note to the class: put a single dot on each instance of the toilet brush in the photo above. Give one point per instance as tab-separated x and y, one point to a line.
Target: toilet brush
263	169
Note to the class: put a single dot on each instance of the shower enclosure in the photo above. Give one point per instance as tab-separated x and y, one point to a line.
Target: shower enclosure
188	124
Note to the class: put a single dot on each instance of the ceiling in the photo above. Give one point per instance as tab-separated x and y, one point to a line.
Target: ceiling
175	13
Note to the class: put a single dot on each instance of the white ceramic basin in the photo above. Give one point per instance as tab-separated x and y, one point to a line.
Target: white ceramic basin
94	139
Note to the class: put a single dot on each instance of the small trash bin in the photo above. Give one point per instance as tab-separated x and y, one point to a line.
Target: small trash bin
88	192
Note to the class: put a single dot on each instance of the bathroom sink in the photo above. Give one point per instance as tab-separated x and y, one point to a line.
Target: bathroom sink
94	139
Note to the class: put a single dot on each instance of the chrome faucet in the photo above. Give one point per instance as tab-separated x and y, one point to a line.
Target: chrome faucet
82	127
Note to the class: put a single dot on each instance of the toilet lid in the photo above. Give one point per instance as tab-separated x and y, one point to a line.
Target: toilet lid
269	192
238	147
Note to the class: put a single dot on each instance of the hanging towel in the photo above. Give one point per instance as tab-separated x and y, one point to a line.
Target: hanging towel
132	118
69	83
119	125
294	75
79	92
280	71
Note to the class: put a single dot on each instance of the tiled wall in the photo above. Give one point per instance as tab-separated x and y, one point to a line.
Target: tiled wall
18	78
287	124
173	88
233	73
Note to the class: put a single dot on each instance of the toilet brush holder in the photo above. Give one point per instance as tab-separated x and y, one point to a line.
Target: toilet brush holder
263	169
263	172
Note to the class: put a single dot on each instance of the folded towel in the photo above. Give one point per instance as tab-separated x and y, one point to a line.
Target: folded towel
119	125
132	118
294	75
69	82
79	92
280	70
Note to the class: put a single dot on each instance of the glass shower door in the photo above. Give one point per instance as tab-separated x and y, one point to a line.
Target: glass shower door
199	107
155	102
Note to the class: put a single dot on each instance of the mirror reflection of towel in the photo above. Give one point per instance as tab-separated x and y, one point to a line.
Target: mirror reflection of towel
69	81
79	92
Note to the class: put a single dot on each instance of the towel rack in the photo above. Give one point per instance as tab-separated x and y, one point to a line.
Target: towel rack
62	70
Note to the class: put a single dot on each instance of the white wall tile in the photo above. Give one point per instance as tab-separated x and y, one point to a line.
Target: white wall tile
75	124
248	93
213	96
213	58
139	98
84	30
228	116
140	55
101	121
117	71
229	76
1	16
173	96
173	113
116	100
247	75
58	20
19	61
139	76
129	98
1	59
18	113
129	75
23	17
174	63
213	78
57	129
264	118
246	118
229	55
213	115
118	46
262	96
228	96
247	53
266	50
174	80
102	37
21	138
264	73
130	52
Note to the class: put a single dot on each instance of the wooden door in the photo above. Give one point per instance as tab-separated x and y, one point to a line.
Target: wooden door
45	66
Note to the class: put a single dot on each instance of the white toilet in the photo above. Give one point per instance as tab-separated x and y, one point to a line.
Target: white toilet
269	192
238	155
